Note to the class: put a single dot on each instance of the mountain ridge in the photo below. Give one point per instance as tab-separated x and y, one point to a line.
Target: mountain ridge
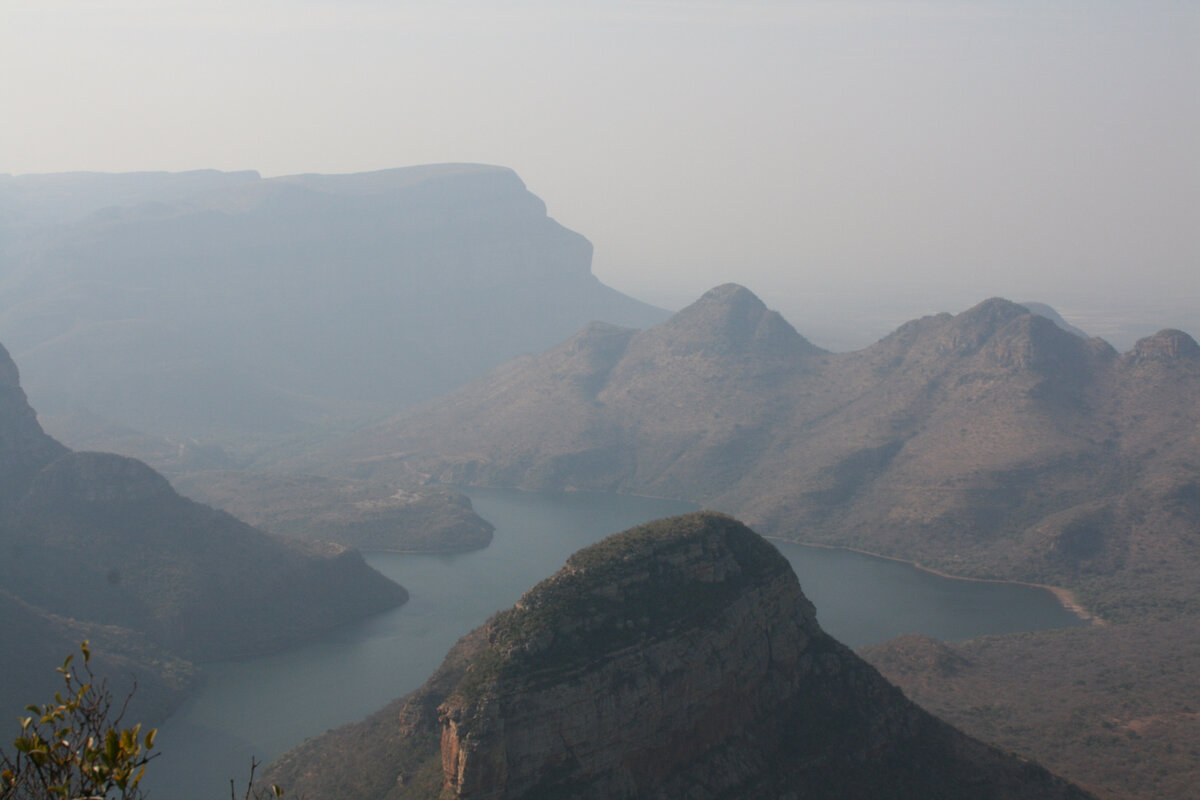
981	444
100	544
236	309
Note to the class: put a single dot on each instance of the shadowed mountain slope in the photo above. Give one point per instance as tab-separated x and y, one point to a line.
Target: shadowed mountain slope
677	659
104	544
989	443
36	642
210	304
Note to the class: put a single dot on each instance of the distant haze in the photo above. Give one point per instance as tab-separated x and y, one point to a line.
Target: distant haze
855	163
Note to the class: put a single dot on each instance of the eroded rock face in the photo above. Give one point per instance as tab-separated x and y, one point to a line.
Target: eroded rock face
600	693
677	659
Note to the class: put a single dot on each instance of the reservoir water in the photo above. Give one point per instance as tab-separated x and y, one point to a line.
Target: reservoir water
263	706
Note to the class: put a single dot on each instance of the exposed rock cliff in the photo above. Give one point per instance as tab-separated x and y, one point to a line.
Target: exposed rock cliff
678	659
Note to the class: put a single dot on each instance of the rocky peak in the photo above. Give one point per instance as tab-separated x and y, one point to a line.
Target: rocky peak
588	357
732	320
672	573
1035	342
970	329
681	659
1166	346
1004	333
991	313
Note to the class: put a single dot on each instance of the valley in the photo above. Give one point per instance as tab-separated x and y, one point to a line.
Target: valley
313	365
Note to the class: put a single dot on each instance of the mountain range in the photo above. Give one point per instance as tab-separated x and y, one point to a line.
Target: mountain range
210	321
991	443
227	306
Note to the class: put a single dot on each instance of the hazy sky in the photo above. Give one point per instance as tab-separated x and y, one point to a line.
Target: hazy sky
919	153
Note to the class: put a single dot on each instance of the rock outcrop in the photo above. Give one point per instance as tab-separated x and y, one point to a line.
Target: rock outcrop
677	659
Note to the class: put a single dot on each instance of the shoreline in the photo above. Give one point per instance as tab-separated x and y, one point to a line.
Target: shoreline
1064	596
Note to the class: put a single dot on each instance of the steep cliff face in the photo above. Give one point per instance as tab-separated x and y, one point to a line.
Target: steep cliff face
678	659
624	665
213	305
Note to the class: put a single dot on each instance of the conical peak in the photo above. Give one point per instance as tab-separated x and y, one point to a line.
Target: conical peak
731	293
731	319
1166	345
991	314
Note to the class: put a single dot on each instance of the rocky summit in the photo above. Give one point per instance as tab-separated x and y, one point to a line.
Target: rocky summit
676	659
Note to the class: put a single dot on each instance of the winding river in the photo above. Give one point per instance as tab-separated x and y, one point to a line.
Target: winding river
263	706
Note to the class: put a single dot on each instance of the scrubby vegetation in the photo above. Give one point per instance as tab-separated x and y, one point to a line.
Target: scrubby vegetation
1116	708
77	747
